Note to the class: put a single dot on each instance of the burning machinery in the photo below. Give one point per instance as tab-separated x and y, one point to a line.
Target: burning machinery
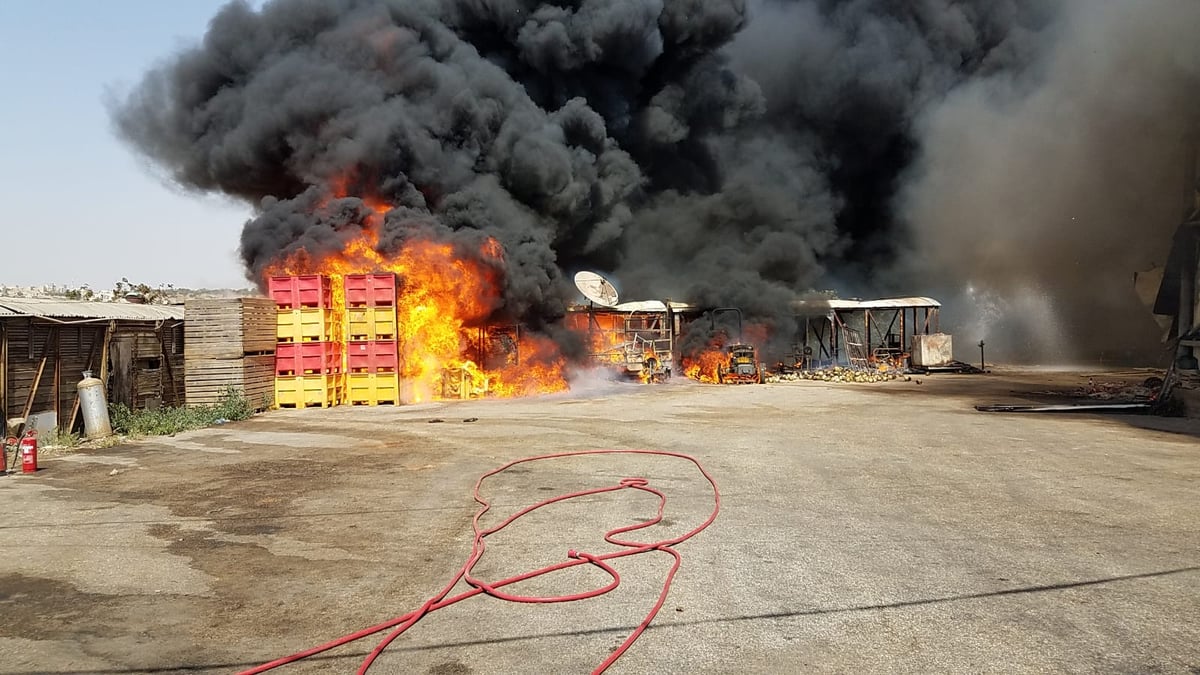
742	367
636	338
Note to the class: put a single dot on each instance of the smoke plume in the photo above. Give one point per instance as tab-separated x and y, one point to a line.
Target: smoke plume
723	152
1046	188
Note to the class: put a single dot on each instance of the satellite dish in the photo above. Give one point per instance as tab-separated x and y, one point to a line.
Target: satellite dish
596	288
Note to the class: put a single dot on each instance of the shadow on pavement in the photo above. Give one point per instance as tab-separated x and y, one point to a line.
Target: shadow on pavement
1023	590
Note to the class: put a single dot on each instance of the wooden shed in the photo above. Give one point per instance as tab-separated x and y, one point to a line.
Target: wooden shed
46	345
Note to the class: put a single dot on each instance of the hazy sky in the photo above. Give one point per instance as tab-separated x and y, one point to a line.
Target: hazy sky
78	206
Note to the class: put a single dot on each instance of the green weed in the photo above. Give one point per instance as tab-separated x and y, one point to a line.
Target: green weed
60	439
171	420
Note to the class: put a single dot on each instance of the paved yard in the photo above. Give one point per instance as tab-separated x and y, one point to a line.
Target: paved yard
863	528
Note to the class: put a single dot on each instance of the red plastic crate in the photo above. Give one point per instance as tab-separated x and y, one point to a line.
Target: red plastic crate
311	290
307	358
375	356
370	290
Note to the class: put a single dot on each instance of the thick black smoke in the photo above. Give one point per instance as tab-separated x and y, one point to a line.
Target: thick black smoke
1039	192
724	152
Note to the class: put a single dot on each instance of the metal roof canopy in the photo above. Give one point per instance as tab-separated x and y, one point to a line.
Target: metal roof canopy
83	311
648	306
827	327
651	306
916	302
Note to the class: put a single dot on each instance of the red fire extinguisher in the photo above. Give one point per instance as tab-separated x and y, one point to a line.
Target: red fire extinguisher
29	452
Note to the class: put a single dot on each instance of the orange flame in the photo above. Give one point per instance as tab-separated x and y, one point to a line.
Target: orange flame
605	335
443	300
703	366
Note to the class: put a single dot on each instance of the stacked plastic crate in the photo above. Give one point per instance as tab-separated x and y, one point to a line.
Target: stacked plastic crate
371	356
308	355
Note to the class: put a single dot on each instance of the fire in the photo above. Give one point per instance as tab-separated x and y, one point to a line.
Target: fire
605	334
539	369
444	302
703	366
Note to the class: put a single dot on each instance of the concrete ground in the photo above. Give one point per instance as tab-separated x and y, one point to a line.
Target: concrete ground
863	528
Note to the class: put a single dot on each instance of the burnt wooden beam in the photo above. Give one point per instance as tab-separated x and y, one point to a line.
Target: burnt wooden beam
56	390
4	376
33	391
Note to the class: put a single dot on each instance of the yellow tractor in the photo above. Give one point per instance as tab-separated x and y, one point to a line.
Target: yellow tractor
742	367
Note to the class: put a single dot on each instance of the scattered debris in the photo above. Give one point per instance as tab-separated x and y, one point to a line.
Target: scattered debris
951	367
837	374
1187	380
1151	396
1116	391
1128	408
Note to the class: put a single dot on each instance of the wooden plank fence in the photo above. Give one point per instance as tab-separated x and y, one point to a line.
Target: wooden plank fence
230	344
252	376
229	328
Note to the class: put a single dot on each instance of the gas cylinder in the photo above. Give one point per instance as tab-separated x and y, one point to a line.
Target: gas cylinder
29	452
93	404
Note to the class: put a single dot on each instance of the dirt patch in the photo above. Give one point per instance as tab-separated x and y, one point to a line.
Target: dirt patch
450	668
53	609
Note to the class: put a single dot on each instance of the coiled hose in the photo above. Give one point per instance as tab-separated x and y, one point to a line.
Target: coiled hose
574	558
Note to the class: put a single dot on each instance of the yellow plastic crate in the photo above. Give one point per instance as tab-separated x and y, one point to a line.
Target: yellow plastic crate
304	325
312	391
372	389
371	323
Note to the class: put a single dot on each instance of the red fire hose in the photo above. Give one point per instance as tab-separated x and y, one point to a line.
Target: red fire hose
574	558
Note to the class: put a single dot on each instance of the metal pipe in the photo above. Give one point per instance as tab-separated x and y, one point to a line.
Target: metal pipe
867	320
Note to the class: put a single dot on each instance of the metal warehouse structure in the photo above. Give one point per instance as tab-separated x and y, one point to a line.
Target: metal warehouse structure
636	337
46	345
850	331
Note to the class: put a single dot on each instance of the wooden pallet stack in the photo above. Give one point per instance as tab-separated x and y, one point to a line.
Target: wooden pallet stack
371	356
308	368
229	343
